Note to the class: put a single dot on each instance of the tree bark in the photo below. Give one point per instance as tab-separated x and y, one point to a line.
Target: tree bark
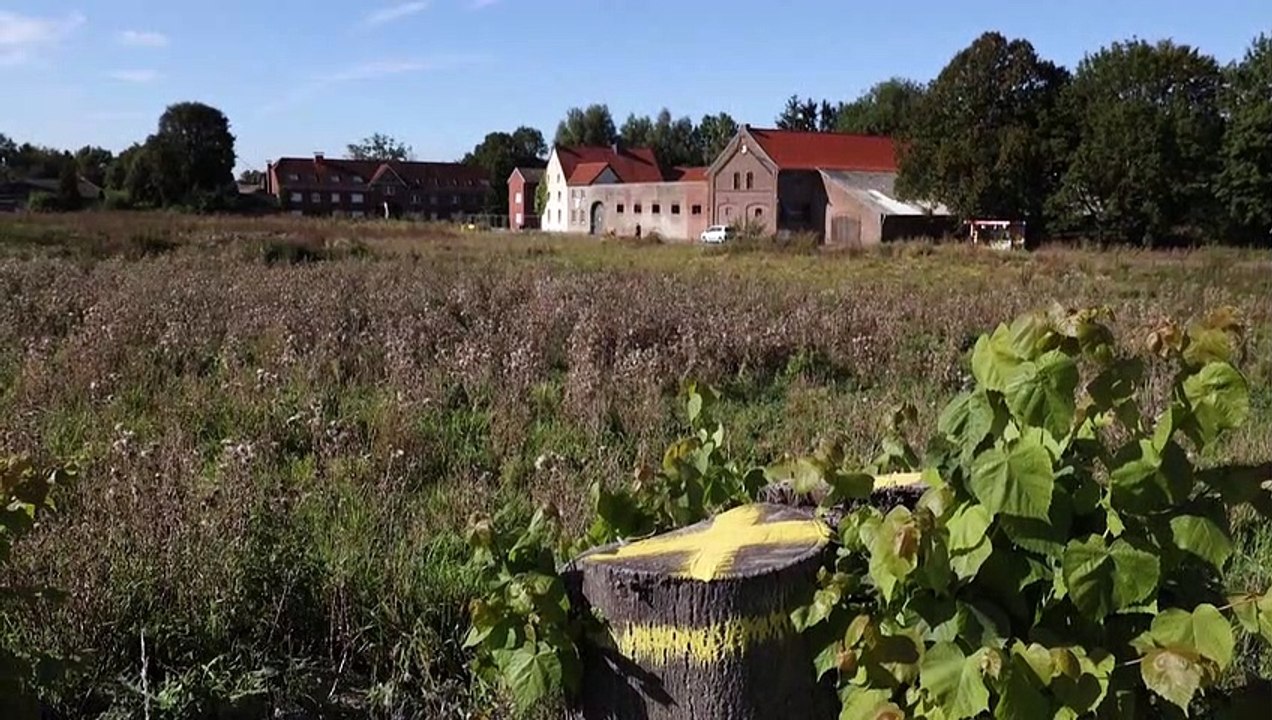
698	621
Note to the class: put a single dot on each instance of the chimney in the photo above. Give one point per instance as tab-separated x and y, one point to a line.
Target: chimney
614	147
318	155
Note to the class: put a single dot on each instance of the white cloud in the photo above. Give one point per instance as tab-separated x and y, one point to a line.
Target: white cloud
394	12
143	38
23	36
135	76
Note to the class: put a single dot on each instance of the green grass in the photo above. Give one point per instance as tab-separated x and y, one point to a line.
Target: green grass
281	449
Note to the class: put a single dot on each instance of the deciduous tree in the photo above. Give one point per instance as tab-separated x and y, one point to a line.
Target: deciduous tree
498	154
799	114
1245	182
714	133
68	194
1149	132
987	138
192	152
93	162
380	147
590	126
887	109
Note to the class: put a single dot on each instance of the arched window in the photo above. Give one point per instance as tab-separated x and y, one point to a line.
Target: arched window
737	181
750	180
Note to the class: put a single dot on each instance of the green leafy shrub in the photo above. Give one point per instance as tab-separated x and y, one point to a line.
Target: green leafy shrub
25	496
1066	558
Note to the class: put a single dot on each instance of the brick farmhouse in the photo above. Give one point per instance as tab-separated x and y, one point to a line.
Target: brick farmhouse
372	188
837	186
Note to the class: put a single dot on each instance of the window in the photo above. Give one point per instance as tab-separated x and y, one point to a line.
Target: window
335	197
415	199
315	198
335	179
695	210
298	213
297	197
655	209
728	211
294	177
675	209
759	212
432	199
558	196
750	180
737	180
518	220
390	190
558	214
636	208
518	200
454	199
356	198
357	214
619	208
357	179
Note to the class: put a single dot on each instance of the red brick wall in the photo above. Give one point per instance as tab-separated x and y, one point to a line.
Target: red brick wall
739	205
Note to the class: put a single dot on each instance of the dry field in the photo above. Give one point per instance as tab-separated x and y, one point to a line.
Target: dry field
283	425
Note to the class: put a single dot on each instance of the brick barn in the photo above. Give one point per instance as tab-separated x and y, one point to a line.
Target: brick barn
836	185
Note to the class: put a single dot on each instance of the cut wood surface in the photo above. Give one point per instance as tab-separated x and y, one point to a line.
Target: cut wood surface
698	620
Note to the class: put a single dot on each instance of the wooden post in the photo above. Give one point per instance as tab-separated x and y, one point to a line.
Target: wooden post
699	621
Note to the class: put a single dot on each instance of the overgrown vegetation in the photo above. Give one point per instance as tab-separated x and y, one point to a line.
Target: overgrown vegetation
278	460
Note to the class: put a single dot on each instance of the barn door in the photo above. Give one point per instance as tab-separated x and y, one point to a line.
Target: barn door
598	219
845	231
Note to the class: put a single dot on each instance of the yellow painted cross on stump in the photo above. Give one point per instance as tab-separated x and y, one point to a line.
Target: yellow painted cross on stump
710	552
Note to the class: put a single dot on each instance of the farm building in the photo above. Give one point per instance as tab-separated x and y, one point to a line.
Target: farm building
837	186
523	185
14	194
371	188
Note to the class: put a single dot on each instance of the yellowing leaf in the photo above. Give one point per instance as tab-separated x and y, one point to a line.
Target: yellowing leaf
1174	674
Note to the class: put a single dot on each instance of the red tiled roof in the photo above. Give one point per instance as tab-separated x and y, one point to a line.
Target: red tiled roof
637	165
798	150
414	174
689	174
586	173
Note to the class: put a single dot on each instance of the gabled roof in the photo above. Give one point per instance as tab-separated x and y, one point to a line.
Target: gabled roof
635	165
799	150
587	173
529	174
412	174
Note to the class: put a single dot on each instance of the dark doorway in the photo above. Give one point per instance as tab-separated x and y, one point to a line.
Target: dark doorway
598	219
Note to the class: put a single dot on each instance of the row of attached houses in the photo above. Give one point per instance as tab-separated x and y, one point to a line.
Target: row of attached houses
838	186
372	188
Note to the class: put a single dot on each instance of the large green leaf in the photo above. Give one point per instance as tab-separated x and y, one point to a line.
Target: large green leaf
1081	680
1144	480
1041	394
968	419
1016	482
1173	673
1219	398
993	359
1204	630
1201	536
894	550
1037	658
1020	695
868	704
532	672
969	544
1103	579
954	681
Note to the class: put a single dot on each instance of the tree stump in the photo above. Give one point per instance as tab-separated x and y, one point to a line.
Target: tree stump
698	621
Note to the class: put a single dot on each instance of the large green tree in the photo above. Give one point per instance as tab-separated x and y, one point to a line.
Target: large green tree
1245	182
887	109
987	138
1149	134
637	131
380	147
590	126
192	153
499	153
714	134
68	193
799	114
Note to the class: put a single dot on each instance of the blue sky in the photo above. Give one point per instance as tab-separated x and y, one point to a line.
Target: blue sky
296	76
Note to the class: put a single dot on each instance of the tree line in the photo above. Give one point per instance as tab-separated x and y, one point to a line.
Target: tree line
1141	143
